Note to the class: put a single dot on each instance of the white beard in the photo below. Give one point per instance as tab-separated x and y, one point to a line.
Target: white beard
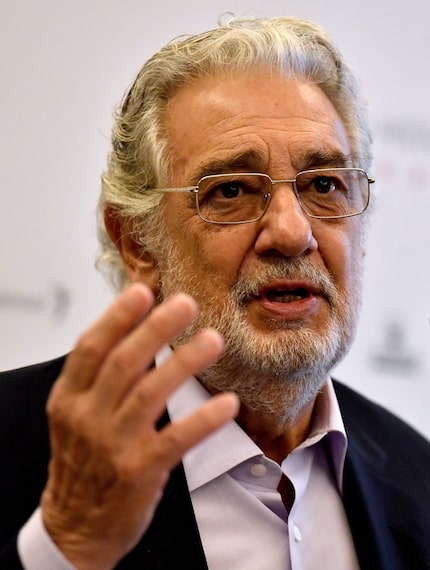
277	373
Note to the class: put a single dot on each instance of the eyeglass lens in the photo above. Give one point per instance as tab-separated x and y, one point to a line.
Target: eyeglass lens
232	198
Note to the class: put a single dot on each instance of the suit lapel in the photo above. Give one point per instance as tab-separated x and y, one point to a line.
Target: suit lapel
363	491
362	495
379	492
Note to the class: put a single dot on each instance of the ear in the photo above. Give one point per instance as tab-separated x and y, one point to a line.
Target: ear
139	264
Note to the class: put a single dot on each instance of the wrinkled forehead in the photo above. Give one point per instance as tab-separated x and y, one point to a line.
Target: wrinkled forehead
257	120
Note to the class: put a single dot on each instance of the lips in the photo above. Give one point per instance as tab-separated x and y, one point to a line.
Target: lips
287	292
287	300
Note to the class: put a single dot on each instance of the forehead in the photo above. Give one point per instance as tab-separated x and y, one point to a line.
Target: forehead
269	122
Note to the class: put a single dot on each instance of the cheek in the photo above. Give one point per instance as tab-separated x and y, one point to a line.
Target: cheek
219	250
213	253
341	250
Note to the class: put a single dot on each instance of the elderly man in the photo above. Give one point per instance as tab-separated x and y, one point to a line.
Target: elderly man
235	201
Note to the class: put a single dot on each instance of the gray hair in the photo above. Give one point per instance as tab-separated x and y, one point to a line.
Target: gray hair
138	159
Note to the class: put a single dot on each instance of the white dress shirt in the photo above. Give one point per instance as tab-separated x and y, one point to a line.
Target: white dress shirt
242	520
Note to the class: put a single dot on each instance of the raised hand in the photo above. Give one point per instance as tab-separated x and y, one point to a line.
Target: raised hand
109	465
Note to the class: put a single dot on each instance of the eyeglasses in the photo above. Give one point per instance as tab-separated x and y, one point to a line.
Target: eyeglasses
240	198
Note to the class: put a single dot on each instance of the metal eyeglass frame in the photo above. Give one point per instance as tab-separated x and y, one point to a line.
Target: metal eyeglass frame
195	190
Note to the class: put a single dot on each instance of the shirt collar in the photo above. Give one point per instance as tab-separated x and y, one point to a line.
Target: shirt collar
230	445
327	423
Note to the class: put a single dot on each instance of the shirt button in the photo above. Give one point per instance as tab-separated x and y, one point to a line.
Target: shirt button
258	470
297	534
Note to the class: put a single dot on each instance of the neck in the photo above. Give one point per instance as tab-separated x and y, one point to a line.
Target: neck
276	411
275	436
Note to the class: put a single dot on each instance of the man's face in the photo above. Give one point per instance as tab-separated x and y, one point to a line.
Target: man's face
284	290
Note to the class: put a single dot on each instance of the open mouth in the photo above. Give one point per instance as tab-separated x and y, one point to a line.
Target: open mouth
287	300
286	296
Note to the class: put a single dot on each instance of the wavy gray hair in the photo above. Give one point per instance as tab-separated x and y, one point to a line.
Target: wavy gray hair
138	159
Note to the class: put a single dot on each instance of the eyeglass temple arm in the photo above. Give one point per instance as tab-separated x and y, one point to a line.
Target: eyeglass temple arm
189	189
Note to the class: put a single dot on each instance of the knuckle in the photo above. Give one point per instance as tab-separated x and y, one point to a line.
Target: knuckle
88	348
122	362
129	471
72	415
171	446
131	465
146	395
57	405
59	417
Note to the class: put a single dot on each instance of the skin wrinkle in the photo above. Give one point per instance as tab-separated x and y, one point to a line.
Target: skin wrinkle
280	47
277	354
270	379
252	140
275	367
253	161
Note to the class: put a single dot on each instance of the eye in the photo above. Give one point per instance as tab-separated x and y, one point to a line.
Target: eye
228	189
231	198
325	185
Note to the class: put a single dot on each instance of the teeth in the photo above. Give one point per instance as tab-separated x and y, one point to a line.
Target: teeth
286	296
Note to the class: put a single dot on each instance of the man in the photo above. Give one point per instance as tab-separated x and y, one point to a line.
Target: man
236	196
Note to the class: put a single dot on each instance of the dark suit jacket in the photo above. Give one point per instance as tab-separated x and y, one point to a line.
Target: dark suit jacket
386	483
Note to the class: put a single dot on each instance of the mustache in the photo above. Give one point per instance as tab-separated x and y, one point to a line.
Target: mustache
299	269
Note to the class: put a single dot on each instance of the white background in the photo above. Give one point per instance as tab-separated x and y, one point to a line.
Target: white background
64	64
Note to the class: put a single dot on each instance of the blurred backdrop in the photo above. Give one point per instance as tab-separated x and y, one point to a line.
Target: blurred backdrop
64	64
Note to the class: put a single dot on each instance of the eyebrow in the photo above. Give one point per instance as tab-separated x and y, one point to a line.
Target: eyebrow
252	161
248	161
321	158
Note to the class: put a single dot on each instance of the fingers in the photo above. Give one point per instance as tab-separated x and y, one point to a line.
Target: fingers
109	463
120	345
130	358
93	346
177	438
102	509
148	395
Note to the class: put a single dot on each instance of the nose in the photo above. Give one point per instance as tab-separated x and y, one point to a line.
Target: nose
285	229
